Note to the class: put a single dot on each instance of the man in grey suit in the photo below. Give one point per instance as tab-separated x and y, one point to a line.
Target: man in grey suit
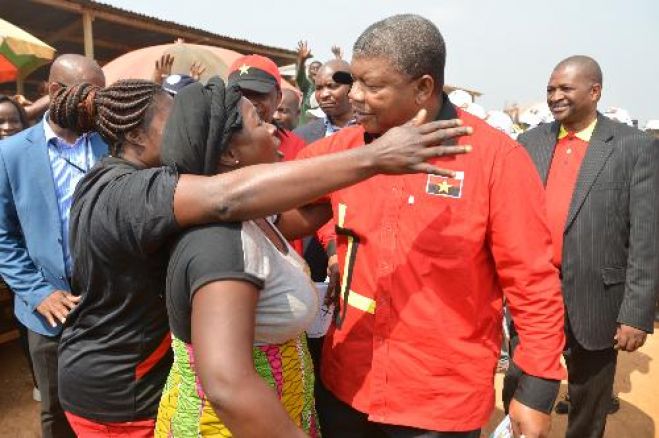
602	186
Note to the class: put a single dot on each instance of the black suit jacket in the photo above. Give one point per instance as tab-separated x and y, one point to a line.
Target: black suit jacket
610	260
312	131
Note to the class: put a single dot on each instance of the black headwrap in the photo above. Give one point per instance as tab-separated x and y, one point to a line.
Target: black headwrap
200	126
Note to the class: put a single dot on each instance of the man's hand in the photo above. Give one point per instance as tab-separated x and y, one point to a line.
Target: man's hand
405	149
196	70
337	52
303	52
334	285
528	422
629	338
163	68
56	306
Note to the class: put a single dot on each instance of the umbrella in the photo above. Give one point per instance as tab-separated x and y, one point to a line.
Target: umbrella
20	52
139	64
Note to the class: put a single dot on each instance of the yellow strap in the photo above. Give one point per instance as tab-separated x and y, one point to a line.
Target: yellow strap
355	300
342	215
358	301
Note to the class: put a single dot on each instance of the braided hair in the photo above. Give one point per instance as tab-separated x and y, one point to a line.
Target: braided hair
113	111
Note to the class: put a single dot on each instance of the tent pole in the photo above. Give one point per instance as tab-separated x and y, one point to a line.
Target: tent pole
20	85
88	33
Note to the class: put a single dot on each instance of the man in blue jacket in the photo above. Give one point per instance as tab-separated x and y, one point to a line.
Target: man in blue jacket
39	169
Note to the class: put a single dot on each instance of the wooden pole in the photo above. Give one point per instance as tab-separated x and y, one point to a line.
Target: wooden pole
88	32
20	85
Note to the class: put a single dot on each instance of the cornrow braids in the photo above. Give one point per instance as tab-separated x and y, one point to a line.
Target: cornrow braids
112	112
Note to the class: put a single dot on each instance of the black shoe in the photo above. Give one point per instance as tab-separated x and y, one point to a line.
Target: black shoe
562	407
614	405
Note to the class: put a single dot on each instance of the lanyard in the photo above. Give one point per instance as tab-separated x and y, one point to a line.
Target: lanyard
71	163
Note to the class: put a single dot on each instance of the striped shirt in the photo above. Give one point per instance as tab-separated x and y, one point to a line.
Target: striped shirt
331	128
69	163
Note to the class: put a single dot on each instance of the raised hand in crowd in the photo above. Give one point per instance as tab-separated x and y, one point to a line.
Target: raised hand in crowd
196	70
163	68
337	52
629	338
303	51
22	100
57	306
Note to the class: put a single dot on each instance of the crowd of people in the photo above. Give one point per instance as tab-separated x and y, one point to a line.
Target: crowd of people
171	243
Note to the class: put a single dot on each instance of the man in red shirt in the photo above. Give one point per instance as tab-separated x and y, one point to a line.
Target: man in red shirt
425	263
259	80
602	188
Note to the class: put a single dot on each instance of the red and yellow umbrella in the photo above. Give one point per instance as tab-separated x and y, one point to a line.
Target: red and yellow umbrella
20	52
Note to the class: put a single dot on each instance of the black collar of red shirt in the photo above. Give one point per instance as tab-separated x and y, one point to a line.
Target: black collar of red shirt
446	112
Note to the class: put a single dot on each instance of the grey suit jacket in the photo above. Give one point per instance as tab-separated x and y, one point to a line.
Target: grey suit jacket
312	131
610	260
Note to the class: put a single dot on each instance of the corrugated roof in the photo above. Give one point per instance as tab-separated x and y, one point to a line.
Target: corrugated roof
113	9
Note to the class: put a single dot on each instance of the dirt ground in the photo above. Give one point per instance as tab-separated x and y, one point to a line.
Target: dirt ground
637	384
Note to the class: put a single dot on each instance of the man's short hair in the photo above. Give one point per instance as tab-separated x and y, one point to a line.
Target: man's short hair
412	43
586	65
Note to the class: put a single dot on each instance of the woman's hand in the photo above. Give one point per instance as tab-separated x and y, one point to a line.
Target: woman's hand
406	148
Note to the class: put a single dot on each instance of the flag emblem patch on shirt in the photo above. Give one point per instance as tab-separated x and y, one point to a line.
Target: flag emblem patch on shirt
445	186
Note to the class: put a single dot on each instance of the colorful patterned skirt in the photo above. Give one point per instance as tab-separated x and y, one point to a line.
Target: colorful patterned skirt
185	412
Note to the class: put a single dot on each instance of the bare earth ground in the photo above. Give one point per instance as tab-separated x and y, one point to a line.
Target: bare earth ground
637	384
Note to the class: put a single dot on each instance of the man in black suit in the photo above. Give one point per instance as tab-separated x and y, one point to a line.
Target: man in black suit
602	186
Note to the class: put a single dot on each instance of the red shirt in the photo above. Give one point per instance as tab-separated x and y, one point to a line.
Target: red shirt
430	258
290	146
568	156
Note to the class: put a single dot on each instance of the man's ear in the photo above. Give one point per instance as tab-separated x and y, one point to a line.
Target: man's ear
53	87
596	91
425	89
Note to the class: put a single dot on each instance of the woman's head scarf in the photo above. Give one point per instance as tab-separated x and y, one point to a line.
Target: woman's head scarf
200	126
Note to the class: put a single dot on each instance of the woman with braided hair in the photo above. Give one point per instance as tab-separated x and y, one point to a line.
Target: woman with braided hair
115	349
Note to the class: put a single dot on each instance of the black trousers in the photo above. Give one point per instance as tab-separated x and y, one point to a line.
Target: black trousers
590	385
339	420
43	350
25	345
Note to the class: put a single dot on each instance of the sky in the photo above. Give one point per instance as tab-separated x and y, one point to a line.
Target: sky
505	49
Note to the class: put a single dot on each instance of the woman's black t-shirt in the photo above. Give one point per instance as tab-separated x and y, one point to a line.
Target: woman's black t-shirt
115	349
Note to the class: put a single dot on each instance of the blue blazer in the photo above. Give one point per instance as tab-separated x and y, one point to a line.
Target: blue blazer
31	254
